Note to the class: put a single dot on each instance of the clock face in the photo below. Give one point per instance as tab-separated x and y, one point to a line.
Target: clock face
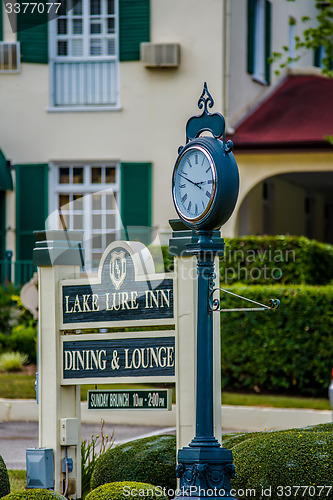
194	183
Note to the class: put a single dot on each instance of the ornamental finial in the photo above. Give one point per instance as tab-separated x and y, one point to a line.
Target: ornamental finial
205	99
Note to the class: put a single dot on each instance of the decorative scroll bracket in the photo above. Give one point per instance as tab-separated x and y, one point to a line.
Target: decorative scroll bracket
214	304
210	122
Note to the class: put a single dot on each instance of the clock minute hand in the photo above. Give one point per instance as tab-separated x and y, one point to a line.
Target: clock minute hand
189	180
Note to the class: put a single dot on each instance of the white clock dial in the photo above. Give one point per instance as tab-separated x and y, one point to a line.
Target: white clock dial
194	183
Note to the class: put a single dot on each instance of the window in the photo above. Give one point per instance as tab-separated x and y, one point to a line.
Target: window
84	54
86	197
259	40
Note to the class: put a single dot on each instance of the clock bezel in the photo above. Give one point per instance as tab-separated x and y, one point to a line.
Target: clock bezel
207	211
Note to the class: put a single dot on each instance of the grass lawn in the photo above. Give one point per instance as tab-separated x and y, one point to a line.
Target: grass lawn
18	480
21	385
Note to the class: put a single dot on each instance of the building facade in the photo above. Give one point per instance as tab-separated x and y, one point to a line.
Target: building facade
94	104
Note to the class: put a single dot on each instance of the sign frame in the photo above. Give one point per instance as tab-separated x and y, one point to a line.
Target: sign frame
117	336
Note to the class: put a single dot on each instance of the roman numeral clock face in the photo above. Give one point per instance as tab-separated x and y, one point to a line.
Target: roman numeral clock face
194	184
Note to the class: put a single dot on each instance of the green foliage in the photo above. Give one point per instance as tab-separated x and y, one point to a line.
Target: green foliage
34	494
4	479
285	459
314	37
150	460
267	260
12	361
17	479
8	313
115	491
24	339
91	450
289	350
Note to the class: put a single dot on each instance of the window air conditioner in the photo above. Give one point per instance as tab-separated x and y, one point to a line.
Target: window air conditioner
160	55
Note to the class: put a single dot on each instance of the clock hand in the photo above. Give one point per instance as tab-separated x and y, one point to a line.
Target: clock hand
189	180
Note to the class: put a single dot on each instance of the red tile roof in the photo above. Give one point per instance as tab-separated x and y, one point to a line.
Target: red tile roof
299	113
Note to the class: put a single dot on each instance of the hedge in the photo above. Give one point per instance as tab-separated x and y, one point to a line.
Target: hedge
149	460
294	463
34	494
289	350
4	479
125	489
267	260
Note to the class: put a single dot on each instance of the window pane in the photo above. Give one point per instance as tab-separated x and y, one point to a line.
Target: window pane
96	258
77	47
78	221
96	222
110	238
110	174
96	47
77	27
95	28
77	10
111	47
97	241
96	202
110	202
96	175
78	201
62	26
63	8
63	200
110	7
64	220
62	48
111	24
110	221
95	7
78	175
64	175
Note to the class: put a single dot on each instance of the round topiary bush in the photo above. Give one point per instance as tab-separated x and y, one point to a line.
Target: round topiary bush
149	460
4	479
35	494
124	490
296	463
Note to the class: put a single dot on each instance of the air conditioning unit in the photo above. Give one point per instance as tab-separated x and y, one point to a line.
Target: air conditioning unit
9	57
160	55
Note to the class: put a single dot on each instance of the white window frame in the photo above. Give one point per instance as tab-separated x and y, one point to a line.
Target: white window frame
259	42
54	58
86	188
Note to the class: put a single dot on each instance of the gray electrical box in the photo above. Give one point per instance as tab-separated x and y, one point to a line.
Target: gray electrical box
40	468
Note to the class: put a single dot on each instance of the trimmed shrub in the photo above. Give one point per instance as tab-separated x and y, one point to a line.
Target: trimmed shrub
272	260
24	339
12	361
289	350
35	494
4	479
279	462
115	491
150	460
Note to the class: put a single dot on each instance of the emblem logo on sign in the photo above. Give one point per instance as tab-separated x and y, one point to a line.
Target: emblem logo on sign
118	269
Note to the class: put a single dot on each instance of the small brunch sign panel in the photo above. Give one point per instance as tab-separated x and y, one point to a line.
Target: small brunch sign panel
126	293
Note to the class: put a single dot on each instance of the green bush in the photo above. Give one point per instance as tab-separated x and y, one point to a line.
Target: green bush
12	361
24	339
8	311
272	260
121	491
35	494
150	460
279	462
289	350
4	479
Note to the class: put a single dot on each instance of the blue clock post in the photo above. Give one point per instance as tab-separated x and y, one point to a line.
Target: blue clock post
205	191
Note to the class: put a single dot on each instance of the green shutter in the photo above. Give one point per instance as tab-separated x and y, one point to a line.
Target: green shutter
134	28
251	5
316	57
31	206
33	36
1	22
2	225
268	36
135	185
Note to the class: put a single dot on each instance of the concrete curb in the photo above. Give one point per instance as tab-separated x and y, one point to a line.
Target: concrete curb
237	418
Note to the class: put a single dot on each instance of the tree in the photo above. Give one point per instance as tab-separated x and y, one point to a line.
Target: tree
318	38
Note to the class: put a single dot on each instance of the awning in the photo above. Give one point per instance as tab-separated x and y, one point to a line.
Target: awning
6	181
